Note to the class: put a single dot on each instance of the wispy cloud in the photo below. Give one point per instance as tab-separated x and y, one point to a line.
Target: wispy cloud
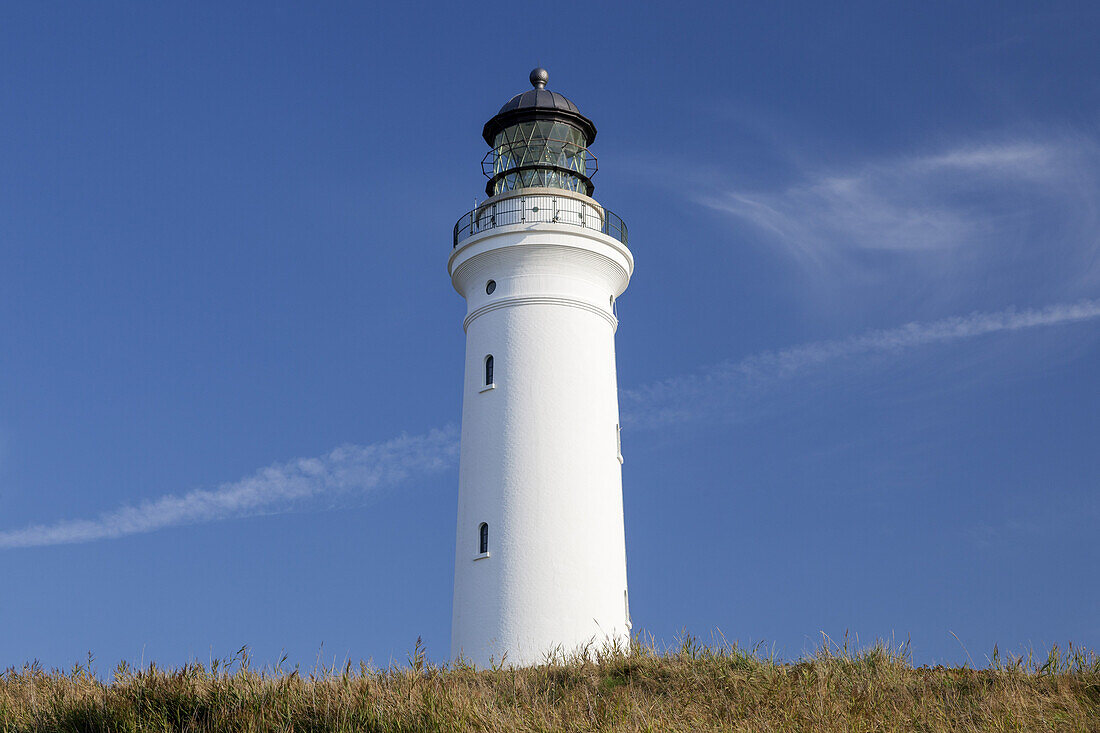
1024	206
984	534
691	397
361	469
1025	159
277	488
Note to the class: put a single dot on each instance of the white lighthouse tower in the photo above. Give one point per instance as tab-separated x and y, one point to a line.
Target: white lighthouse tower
540	555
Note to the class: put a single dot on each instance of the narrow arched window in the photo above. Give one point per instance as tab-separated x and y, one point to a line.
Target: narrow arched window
483	538
488	370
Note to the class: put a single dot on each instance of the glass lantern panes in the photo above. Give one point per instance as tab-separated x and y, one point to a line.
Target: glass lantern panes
544	143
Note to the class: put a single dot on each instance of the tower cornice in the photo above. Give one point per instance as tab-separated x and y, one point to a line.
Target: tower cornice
547	236
560	300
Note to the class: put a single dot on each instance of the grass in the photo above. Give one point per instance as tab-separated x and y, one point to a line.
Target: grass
691	687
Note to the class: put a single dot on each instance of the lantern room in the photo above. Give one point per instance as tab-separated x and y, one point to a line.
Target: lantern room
539	139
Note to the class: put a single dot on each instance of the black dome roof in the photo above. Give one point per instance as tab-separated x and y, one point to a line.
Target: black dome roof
538	104
539	98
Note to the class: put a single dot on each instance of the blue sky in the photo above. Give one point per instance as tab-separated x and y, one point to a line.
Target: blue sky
858	358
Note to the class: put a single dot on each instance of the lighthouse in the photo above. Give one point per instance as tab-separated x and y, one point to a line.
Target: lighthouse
540	550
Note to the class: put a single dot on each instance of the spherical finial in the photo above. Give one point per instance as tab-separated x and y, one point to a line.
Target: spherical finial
539	77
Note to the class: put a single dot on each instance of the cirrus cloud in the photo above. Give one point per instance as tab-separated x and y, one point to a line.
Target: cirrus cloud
1021	211
360	470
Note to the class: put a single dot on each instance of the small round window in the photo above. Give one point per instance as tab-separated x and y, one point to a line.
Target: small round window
490	287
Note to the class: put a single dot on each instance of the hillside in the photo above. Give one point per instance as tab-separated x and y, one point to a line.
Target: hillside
690	688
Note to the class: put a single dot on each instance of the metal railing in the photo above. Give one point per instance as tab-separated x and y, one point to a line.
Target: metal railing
539	208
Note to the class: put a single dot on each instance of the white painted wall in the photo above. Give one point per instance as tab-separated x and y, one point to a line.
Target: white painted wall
539	459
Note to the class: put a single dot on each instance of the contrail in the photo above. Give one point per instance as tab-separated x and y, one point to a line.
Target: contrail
688	397
360	469
277	488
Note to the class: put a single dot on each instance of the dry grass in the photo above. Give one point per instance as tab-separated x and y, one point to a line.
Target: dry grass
689	688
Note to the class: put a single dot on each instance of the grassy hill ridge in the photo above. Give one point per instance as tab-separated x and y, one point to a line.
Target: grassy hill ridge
689	688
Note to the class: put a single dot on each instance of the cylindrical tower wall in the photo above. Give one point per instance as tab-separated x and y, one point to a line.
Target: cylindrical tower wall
540	461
